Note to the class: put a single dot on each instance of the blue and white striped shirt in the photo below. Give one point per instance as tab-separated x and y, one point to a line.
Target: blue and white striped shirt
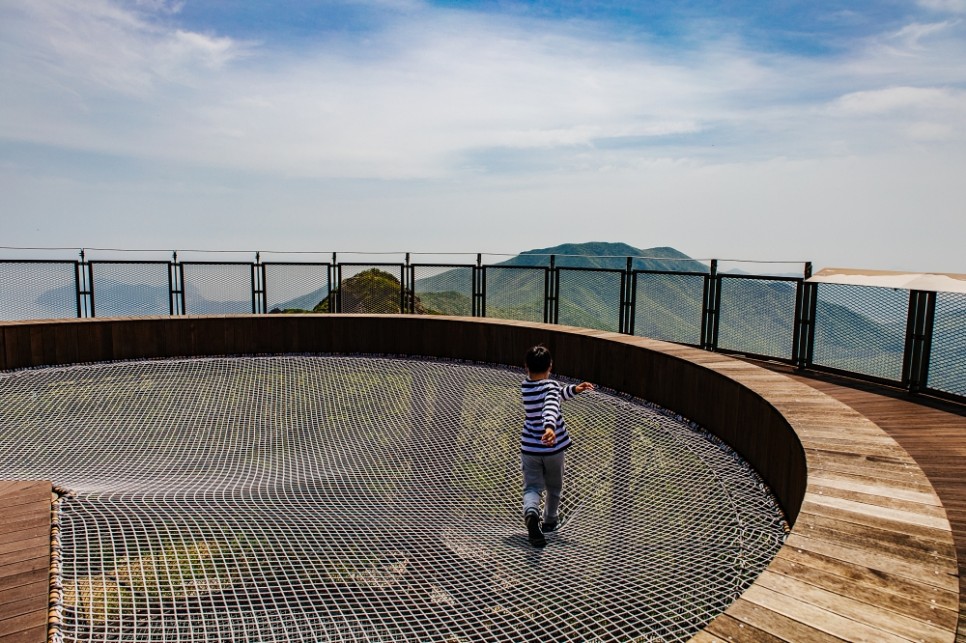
542	406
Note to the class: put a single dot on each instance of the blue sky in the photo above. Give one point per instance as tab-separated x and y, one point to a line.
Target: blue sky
832	132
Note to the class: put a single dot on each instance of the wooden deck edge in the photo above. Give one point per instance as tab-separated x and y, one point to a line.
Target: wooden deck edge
25	565
871	556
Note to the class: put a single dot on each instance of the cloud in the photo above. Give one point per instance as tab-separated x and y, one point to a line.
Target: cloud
910	36
405	102
162	6
98	45
892	99
435	93
946	6
919	115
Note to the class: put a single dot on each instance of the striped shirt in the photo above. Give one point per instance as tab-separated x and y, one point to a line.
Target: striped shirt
542	406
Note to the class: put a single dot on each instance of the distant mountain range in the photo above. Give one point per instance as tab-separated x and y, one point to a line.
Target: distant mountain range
759	317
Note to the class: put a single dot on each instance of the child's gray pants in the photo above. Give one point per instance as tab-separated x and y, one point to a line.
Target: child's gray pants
542	472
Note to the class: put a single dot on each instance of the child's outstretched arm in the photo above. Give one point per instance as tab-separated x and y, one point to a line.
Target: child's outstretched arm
584	386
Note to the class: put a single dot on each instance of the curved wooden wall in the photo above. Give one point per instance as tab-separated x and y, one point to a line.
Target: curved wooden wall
871	553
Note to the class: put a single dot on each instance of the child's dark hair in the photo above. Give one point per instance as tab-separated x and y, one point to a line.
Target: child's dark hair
539	359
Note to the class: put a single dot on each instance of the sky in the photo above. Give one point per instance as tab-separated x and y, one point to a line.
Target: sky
783	131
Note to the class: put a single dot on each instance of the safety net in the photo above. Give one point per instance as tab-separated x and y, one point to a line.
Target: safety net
371	498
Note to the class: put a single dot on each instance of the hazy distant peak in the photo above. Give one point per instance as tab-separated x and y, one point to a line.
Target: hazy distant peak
612	255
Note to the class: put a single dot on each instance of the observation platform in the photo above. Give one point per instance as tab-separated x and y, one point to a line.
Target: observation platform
870	482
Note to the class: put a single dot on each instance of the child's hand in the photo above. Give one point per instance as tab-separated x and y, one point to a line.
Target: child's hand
549	437
584	386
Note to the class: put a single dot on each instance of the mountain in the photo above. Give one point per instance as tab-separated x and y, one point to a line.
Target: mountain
371	291
302	303
757	315
605	255
514	292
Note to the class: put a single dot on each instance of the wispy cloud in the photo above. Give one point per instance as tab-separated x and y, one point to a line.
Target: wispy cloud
894	99
945	6
461	100
435	87
100	45
404	102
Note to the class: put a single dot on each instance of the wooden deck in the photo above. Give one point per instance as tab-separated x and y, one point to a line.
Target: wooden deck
24	560
931	431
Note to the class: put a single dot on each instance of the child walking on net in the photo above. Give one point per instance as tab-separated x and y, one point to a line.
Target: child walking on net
543	442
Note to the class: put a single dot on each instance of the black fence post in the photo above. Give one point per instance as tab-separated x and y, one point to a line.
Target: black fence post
925	346
551	283
408	287
83	281
805	307
259	300
628	298
176	285
335	294
712	305
479	288
919	327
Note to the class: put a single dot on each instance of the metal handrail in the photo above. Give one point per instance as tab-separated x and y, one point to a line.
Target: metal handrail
808	319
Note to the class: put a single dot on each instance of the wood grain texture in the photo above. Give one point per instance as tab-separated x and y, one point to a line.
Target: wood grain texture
24	560
931	431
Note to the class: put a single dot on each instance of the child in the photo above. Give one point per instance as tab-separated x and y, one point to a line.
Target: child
543	442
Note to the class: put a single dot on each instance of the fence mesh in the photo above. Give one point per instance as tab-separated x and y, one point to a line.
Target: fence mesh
296	287
669	307
443	290
515	292
590	298
372	289
948	353
37	290
123	288
314	498
757	316
217	288
861	329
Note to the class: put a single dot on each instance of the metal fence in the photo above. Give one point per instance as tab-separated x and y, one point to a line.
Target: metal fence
907	338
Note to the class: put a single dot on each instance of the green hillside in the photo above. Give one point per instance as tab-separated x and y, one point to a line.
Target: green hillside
372	291
757	316
515	288
599	254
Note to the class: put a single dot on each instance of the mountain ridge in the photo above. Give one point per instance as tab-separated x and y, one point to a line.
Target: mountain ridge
608	255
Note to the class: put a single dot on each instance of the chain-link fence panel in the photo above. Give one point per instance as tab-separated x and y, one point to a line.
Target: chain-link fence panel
948	354
757	316
217	288
374	289
130	288
515	292
315	498
861	329
590	298
297	287
38	290
669	307
443	290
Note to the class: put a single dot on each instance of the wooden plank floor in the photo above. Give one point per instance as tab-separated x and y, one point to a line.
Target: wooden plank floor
24	560
931	431
871	556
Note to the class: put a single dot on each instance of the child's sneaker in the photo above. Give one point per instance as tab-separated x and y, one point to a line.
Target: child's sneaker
549	526
534	535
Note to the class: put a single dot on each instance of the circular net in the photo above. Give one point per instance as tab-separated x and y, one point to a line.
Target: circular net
348	498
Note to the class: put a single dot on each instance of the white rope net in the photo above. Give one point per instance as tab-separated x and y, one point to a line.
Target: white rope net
366	498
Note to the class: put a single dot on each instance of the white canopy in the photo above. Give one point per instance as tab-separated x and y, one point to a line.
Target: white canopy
928	281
